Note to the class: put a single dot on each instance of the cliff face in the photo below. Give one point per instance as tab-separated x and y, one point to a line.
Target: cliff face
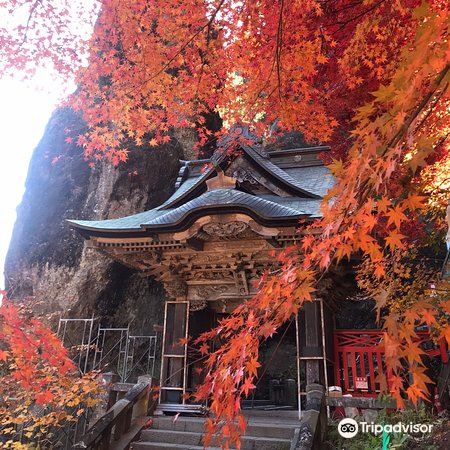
48	261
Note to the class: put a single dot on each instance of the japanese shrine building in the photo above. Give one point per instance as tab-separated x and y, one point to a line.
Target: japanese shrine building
211	239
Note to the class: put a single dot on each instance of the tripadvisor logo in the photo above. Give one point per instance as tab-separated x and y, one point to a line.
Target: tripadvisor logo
348	428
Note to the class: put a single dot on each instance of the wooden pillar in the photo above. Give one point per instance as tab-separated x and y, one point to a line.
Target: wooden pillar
173	364
312	347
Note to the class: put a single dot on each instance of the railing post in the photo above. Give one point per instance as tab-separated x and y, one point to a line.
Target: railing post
141	407
290	392
123	424
109	379
105	441
127	421
314	420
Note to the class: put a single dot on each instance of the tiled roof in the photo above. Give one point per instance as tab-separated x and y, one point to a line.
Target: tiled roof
306	206
280	174
307	185
302	184
188	186
225	199
315	179
222	200
128	223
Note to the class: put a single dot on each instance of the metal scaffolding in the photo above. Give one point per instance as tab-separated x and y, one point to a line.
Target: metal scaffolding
93	347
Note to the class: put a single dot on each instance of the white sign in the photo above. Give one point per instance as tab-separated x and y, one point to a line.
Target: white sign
362	383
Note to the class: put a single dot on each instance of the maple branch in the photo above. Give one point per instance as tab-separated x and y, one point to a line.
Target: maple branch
438	189
431	108
276	61
344	8
279	45
27	27
358	16
203	56
186	44
420	107
365	191
274	352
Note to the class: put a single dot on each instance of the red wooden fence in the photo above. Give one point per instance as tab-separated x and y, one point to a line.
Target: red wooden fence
359	359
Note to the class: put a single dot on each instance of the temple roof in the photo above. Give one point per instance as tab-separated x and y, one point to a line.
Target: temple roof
275	188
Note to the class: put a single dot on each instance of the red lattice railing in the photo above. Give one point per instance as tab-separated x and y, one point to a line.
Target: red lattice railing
359	359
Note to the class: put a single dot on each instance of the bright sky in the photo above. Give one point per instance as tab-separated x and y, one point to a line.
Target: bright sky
24	112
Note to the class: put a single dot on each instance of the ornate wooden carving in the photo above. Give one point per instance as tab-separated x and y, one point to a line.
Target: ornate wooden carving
244	173
244	176
228	230
208	292
176	288
198	305
234	253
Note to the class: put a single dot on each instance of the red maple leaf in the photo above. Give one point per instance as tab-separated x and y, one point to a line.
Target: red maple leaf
247	386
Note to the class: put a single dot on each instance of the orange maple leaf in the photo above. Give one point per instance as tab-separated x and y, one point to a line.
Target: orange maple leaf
267	330
446	306
396	216
413	352
390	345
247	386
383	204
428	316
446	334
242	423
414	393
395	382
414	201
204	349
394	240
252	366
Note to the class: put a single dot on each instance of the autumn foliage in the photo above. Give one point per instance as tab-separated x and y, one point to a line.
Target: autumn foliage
368	77
40	390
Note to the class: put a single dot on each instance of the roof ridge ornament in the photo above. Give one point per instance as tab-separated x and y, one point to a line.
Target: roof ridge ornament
221	181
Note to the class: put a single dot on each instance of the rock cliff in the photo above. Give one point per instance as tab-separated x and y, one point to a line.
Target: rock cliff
48	261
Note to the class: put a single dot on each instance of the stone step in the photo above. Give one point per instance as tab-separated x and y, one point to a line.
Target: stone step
162	446
192	439
256	426
277	414
250	403
187	439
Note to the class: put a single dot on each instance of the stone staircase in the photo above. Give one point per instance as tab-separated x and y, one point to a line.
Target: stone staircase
264	432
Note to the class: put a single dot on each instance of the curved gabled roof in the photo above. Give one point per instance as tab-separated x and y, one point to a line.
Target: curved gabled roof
303	180
187	188
300	185
226	199
220	200
281	175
